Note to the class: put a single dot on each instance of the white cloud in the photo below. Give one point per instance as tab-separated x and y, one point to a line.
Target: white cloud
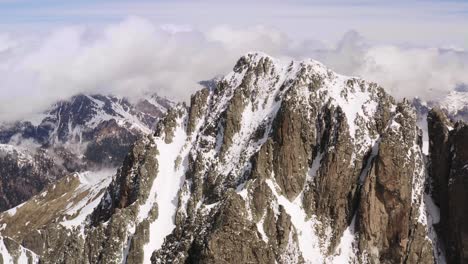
407	72
137	56
404	71
128	58
6	43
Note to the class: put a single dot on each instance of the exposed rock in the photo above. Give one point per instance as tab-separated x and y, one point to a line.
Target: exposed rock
448	168
133	178
24	173
293	137
234	239
198	106
384	216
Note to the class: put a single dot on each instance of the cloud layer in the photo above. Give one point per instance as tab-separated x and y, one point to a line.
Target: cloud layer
136	56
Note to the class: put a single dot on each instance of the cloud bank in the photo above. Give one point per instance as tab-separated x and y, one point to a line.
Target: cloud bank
136	56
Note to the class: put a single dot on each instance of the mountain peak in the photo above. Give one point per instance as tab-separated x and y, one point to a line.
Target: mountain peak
282	162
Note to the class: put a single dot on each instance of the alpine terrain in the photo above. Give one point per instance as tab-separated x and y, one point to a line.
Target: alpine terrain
274	163
86	132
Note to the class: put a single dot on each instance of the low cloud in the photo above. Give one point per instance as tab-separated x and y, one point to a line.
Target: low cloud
426	72
135	57
130	58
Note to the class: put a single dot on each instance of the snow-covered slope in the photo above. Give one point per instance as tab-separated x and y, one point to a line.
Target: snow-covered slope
64	205
67	202
11	253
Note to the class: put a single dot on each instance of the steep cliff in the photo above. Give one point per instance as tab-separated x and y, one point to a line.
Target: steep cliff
449	173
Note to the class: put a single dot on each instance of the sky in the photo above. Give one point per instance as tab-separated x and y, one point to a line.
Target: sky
417	22
51	50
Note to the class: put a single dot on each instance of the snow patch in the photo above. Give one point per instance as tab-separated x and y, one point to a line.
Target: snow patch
345	252
9	257
93	183
310	243
165	188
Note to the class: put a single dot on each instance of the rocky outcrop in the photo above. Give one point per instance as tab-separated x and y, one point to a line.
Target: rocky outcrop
131	183
198	106
233	238
449	169
385	210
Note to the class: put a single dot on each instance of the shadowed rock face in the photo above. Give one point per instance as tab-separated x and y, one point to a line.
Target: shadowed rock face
24	173
275	162
449	172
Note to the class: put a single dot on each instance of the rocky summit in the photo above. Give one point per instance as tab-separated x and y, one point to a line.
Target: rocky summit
273	163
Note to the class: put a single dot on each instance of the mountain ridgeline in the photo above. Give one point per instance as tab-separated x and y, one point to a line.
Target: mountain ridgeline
275	163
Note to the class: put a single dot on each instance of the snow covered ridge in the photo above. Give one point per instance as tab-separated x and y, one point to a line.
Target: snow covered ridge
94	129
72	121
21	155
277	162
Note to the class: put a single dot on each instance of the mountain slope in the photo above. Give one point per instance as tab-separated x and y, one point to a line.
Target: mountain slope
82	123
23	173
86	132
286	163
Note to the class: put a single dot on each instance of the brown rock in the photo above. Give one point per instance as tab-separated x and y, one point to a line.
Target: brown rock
449	174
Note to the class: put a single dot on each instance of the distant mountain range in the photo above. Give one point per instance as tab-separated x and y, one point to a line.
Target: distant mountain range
86	132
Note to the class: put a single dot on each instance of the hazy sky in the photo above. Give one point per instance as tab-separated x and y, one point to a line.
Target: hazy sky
442	23
50	50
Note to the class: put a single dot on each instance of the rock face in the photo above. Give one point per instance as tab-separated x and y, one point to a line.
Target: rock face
388	216
82	133
275	162
449	171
